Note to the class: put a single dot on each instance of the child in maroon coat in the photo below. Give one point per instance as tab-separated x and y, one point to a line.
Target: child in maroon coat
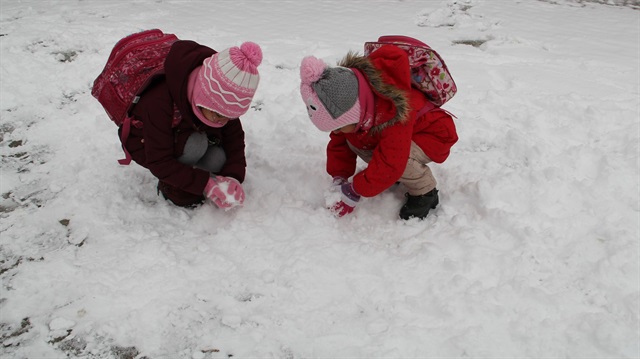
202	153
372	112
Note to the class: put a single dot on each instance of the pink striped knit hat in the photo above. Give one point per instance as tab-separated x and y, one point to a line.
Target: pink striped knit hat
228	80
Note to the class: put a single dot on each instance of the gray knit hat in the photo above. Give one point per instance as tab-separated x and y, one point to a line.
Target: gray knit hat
337	90
331	94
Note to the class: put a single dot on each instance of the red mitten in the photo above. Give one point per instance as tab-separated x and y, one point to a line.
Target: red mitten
348	202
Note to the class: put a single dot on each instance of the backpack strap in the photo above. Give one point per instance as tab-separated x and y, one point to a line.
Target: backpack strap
126	130
124	135
428	107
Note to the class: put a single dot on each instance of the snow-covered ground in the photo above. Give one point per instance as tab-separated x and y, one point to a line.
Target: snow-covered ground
533	252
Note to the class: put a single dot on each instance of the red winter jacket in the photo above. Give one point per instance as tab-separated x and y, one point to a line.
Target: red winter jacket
156	144
395	125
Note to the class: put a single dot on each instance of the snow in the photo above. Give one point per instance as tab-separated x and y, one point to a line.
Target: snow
533	251
332	195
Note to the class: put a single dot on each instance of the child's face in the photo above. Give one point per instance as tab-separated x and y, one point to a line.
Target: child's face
214	118
346	129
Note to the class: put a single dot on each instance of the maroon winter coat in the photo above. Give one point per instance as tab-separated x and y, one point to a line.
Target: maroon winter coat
395	125
156	144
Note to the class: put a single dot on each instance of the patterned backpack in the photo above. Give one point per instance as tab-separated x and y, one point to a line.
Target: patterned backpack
133	64
429	73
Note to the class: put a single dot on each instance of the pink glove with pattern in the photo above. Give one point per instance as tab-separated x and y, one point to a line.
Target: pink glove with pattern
225	192
349	200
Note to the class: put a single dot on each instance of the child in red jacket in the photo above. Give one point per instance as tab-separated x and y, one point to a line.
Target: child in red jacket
372	112
186	127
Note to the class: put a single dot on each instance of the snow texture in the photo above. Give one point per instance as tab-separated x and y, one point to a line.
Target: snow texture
533	251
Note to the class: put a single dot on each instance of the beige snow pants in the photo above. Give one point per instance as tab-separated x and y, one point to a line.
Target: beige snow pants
417	176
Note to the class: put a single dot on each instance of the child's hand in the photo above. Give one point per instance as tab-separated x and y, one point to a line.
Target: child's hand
341	209
225	192
348	202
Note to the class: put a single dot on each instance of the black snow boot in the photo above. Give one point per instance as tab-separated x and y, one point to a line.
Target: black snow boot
419	206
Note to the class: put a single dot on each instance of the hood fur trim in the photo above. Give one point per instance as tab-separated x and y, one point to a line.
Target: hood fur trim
374	77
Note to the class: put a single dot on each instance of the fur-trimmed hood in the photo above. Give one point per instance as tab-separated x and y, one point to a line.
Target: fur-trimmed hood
386	79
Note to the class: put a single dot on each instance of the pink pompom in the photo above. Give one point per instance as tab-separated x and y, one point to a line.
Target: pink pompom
311	69
253	52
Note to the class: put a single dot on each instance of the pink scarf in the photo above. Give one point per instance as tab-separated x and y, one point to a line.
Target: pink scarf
367	103
191	88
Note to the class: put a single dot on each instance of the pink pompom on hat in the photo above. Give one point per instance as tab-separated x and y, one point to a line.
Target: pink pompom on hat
227	81
331	94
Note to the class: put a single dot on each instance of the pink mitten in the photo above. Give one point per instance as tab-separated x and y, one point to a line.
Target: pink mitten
234	190
225	192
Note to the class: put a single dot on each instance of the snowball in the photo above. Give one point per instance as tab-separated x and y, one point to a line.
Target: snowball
332	196
231	199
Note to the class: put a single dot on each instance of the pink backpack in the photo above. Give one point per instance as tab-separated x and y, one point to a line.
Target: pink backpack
133	64
428	71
